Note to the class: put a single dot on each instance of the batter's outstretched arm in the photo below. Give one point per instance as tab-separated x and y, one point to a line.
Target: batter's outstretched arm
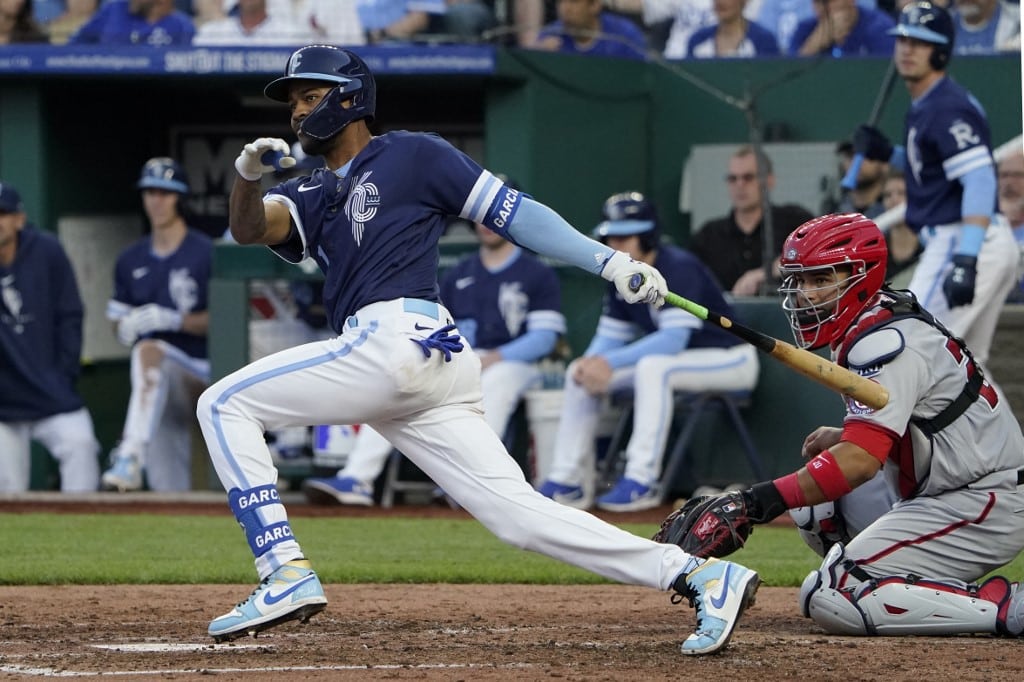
252	221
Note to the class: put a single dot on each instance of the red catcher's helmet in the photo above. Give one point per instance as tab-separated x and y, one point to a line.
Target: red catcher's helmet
846	241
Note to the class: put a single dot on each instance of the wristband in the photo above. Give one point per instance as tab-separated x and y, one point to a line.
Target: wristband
792	493
971	237
825	471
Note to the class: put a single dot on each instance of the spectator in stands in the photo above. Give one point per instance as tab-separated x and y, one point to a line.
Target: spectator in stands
390	21
904	246
866	195
986	26
40	356
583	27
251	25
686	16
782	16
653	352
18	23
334	21
1011	205
75	15
842	29
468	20
507	305
159	311
136	22
732	246
733	35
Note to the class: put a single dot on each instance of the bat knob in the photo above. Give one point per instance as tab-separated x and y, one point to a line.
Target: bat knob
277	159
635	282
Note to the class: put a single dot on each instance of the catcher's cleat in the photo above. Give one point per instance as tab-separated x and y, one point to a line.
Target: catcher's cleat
292	592
720	591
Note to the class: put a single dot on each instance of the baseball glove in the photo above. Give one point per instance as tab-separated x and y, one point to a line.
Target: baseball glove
708	526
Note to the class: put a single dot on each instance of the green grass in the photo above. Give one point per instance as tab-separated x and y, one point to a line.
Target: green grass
51	549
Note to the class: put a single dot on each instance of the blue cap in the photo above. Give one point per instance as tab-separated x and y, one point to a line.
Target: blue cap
10	200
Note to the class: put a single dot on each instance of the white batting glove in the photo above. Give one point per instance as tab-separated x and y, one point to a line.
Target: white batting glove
637	282
128	329
251	167
156	318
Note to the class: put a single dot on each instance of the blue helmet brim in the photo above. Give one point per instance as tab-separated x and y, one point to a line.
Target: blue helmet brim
277	90
160	183
622	228
918	33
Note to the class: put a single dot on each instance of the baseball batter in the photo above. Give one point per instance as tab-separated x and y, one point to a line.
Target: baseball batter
949	447
507	306
371	219
969	263
159	311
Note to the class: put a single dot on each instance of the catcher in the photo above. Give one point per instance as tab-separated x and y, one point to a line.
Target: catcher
950	451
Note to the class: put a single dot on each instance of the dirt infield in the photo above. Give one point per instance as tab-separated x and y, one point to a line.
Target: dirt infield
456	632
445	632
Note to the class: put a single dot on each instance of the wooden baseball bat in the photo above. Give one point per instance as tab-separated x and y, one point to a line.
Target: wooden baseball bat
812	366
850	179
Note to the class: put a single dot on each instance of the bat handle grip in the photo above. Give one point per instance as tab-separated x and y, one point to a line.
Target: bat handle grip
277	159
850	179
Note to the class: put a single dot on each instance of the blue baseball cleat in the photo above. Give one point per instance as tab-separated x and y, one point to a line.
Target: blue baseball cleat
569	495
720	591
292	592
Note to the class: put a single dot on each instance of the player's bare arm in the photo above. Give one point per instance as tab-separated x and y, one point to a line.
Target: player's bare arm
857	465
822	438
253	221
196	323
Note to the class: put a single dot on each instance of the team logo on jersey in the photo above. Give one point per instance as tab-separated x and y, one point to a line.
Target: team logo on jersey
12	300
964	134
463	282
513	304
184	290
856	407
914	155
362	204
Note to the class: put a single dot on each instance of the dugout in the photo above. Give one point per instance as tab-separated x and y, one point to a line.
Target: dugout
76	127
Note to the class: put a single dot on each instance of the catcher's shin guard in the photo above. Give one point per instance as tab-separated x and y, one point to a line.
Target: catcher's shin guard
897	605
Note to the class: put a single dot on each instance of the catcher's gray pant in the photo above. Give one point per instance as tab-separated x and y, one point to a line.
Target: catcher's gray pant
70	440
430	409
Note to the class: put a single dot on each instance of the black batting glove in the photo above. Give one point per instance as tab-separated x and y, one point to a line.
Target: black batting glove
872	144
764	502
959	284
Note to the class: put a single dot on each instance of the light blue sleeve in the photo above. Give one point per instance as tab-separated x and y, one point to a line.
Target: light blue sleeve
530	347
898	159
980	188
540	229
662	342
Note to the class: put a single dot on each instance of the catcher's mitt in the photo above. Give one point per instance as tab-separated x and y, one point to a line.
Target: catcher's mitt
708	526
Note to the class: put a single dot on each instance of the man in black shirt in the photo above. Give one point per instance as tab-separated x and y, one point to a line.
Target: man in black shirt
732	246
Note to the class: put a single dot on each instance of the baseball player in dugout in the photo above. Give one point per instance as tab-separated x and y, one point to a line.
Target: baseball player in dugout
40	356
648	351
969	263
159	311
911	505
507	305
372	219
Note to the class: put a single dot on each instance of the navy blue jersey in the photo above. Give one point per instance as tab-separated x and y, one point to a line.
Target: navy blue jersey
492	308
374	233
40	331
179	281
947	135
686	276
